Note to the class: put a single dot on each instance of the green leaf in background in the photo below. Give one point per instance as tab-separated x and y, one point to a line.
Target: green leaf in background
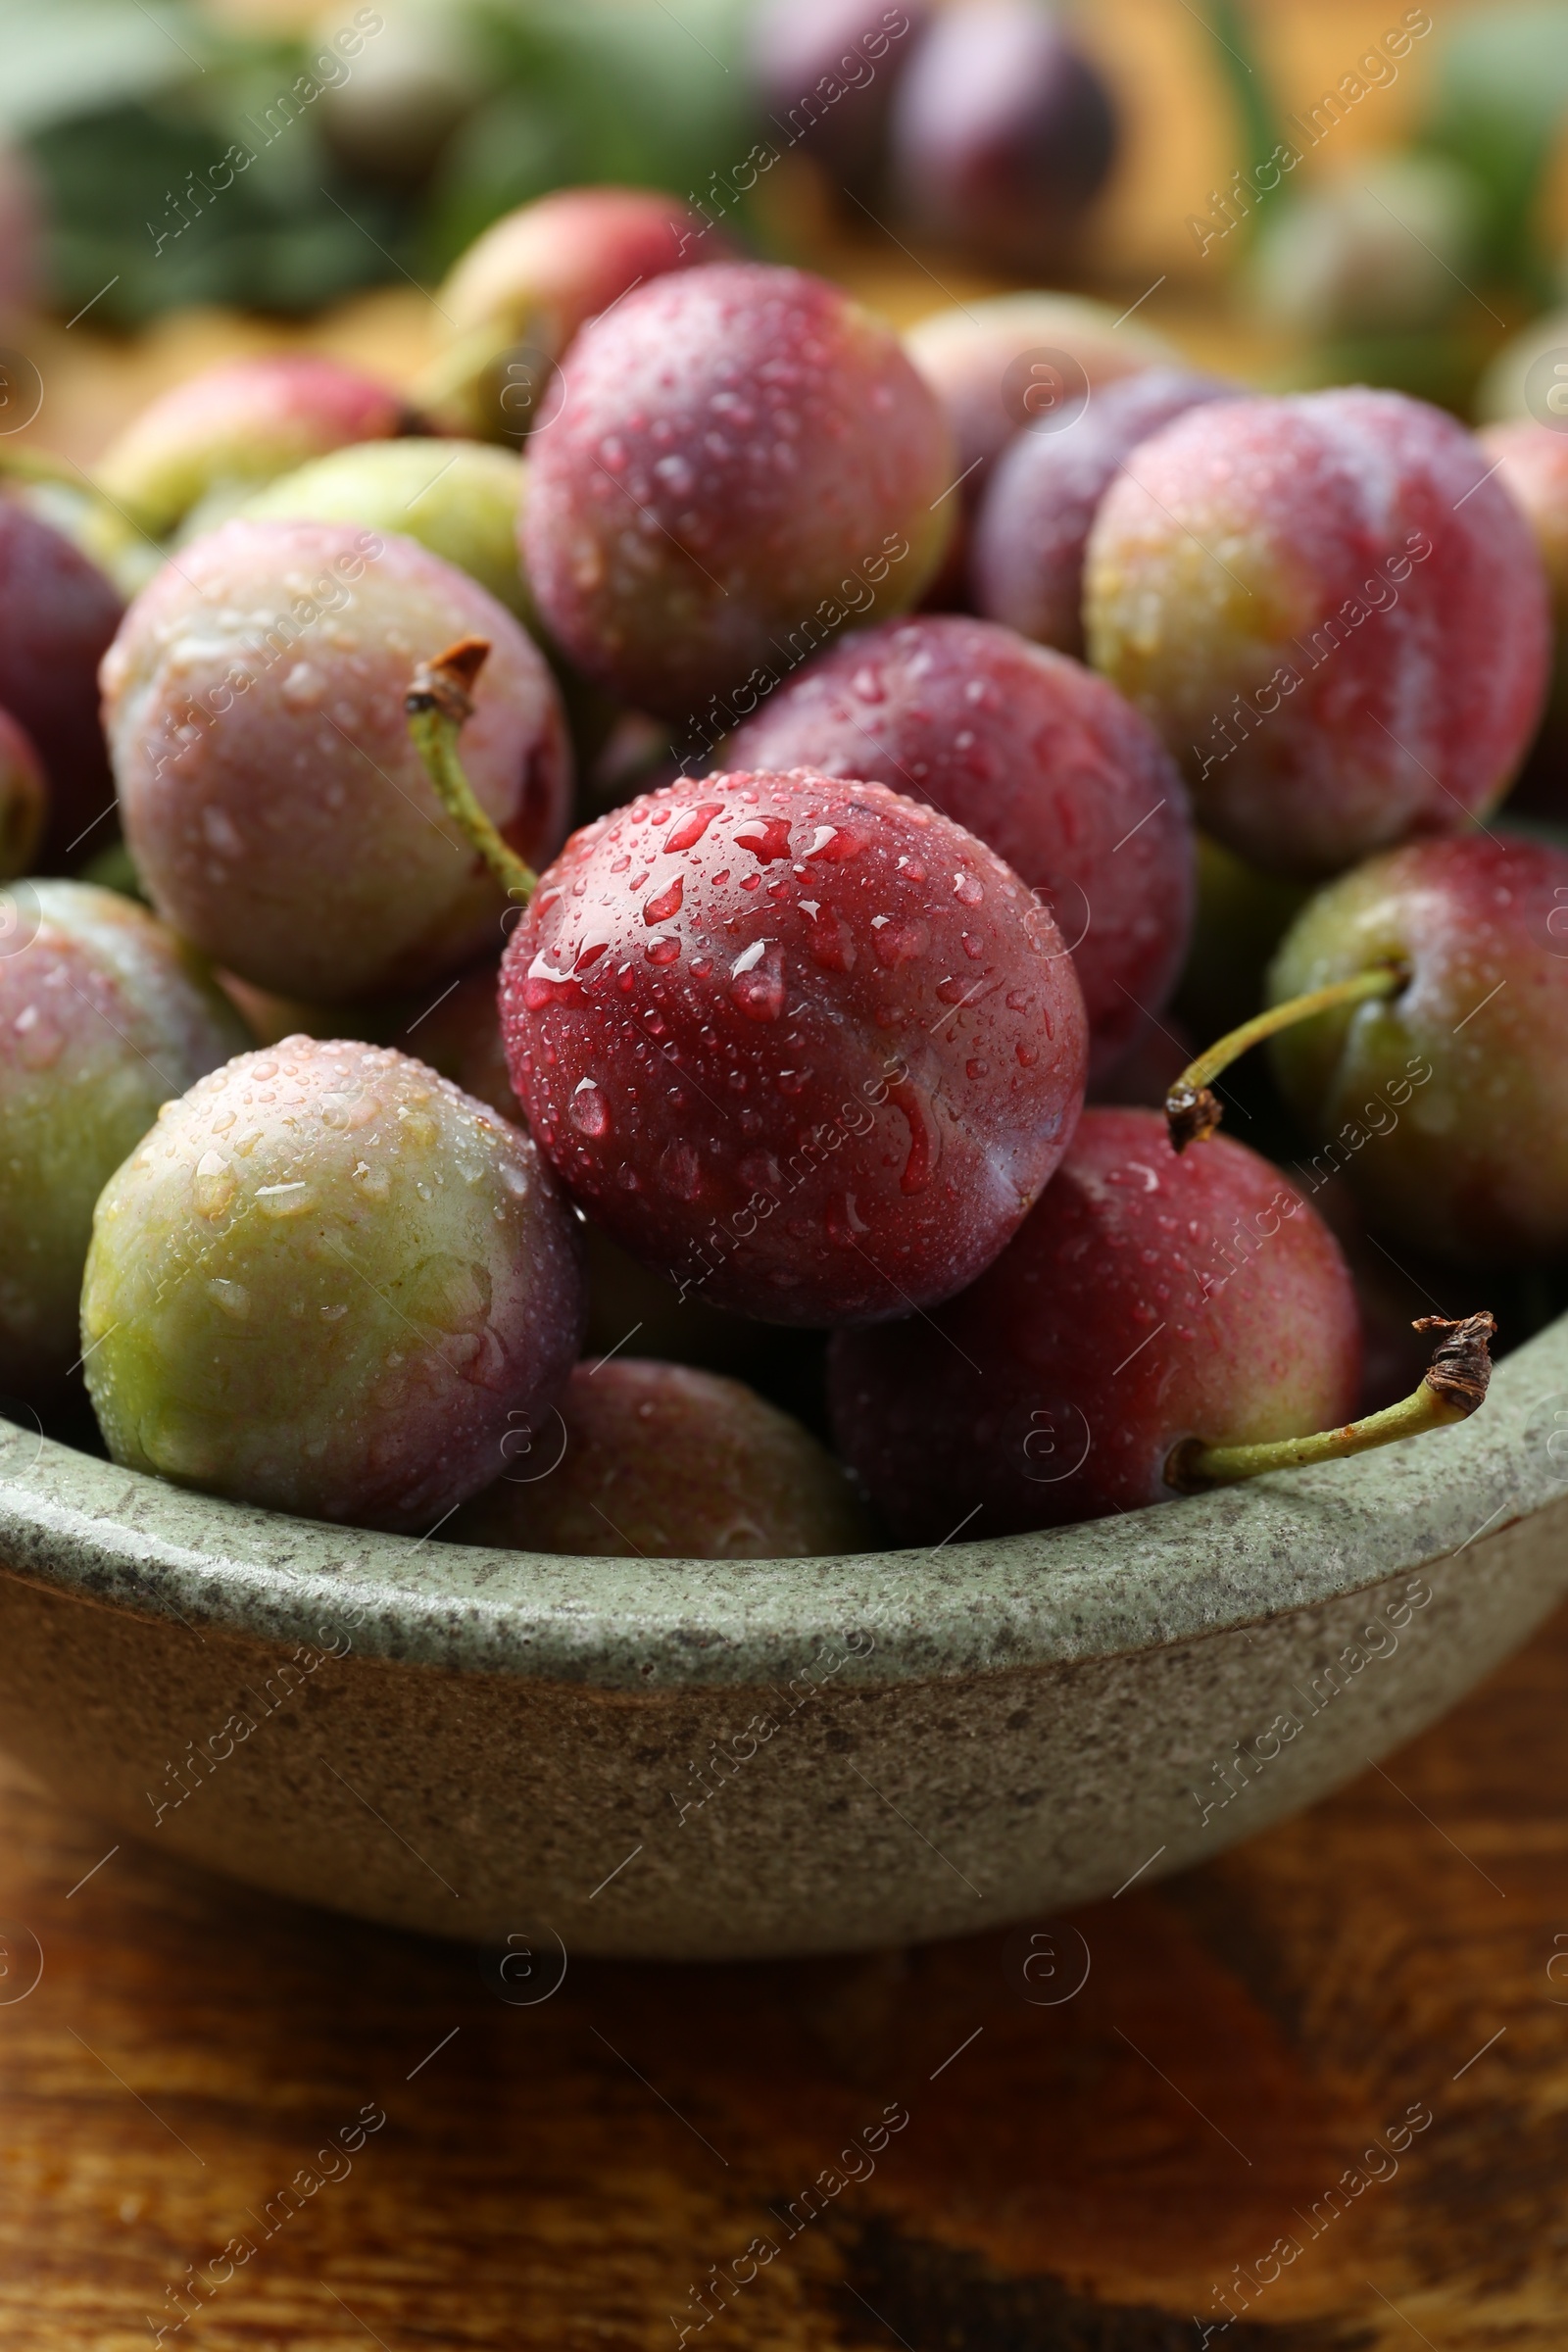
1500	97
643	93
515	146
137	222
129	111
68	58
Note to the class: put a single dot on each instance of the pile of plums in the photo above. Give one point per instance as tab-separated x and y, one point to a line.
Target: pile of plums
716	1179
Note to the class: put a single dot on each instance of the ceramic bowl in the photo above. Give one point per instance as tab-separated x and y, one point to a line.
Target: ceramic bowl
688	1760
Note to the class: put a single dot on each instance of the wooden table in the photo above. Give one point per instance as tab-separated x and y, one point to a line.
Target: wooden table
1088	2174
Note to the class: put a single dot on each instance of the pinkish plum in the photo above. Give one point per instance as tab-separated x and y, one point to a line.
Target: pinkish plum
657	1461
746	460
104	1014
23	799
329	1282
1337	621
271	797
210	441
1026	562
1012	362
519	294
1147	1300
1017	360
1037	757
58	613
805	1044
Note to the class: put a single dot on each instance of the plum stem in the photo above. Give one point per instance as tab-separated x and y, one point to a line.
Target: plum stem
438	704
1192	1112
1452	1387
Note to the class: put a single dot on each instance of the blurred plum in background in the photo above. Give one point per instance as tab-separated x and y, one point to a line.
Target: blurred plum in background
199	449
58	613
825	73
1003	134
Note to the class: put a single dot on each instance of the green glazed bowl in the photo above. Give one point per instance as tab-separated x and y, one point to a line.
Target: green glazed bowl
691	1760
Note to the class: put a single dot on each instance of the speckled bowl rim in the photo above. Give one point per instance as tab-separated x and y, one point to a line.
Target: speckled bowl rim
1109	1588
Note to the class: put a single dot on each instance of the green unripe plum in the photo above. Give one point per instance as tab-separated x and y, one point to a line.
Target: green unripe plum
1445	1105
661	1461
329	1282
104	1014
460	499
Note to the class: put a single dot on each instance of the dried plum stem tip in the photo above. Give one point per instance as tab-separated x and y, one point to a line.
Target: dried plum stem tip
1192	1112
438	704
1454	1385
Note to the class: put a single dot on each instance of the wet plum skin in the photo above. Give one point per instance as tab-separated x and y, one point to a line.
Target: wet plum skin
104	1014
745	459
329	1282
1366	558
58	615
1026	565
661	1461
1147	1300
805	1045
1457	1089
286	824
1037	757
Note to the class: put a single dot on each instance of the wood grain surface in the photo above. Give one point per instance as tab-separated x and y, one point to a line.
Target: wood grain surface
1087	2165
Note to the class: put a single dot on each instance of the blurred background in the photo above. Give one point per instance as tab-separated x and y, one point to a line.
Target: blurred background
1297	191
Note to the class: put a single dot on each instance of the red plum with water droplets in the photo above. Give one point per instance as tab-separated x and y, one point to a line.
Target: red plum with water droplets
804	1044
1147	1300
1037	756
